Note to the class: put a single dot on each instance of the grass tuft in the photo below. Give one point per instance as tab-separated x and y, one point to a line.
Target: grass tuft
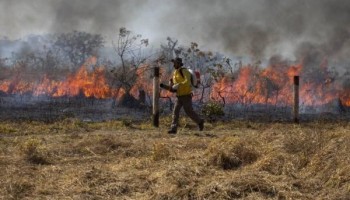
34	152
19	189
231	153
160	151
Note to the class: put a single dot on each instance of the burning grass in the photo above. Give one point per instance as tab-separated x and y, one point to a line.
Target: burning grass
132	160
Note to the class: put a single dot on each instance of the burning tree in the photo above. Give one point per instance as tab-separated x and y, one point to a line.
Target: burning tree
133	63
47	71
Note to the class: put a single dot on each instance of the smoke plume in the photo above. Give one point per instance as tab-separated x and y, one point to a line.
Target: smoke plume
261	29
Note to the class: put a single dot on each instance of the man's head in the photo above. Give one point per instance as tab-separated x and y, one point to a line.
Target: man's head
177	62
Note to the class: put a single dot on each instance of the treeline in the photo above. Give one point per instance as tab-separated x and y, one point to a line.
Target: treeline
127	60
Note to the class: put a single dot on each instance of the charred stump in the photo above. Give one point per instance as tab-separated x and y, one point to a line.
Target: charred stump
341	106
129	101
142	97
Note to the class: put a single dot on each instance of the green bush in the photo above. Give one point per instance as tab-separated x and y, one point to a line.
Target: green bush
212	110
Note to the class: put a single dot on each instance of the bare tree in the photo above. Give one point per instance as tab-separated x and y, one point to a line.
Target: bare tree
129	48
168	51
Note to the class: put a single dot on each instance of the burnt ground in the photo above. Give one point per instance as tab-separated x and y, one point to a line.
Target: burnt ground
16	108
48	109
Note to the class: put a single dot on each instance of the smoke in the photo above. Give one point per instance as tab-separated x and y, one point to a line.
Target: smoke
260	29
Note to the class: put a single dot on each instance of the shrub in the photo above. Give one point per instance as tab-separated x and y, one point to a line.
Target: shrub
212	110
127	122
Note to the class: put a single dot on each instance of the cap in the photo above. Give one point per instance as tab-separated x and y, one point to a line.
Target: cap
177	60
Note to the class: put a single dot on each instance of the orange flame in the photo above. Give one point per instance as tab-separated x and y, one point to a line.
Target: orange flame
252	85
274	85
83	82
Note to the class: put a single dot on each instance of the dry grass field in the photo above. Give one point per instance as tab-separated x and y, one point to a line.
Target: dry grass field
123	159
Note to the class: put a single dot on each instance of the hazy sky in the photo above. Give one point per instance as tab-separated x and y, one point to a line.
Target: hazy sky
260	28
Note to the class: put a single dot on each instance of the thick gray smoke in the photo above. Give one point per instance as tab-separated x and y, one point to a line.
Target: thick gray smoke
291	28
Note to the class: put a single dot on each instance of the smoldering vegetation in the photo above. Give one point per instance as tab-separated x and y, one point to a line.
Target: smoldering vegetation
266	40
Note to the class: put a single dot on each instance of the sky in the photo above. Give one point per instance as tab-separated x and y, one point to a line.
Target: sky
257	28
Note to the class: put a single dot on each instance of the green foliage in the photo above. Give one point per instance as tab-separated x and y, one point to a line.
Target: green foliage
213	110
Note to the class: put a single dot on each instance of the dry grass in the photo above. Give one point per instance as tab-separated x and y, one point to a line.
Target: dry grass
123	159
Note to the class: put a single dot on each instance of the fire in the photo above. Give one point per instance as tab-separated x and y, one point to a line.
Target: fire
294	70
88	84
274	85
345	97
253	86
144	81
4	86
84	82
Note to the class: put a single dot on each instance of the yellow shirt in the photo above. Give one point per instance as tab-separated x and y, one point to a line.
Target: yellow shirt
185	87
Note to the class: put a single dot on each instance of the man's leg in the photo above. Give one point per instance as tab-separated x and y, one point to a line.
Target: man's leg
187	103
176	116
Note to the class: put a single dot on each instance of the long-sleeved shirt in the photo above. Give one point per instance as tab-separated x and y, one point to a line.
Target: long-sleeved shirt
184	81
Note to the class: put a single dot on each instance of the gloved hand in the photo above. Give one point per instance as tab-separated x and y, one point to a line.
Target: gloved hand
175	87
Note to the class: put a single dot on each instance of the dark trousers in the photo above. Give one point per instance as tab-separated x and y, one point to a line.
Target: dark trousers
186	102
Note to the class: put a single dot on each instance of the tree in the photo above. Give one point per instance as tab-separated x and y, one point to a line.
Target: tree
129	49
78	46
167	52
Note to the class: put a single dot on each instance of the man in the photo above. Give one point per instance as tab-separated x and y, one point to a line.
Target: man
181	84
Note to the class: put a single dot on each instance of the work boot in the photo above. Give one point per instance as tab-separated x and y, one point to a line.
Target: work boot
172	130
201	125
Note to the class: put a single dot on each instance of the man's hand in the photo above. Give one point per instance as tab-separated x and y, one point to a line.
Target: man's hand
167	87
175	87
